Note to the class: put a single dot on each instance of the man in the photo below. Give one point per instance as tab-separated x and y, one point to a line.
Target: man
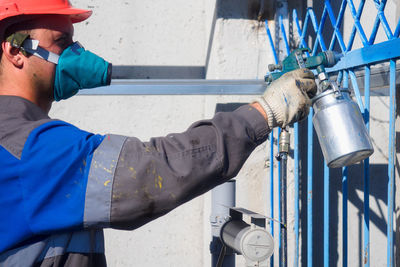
60	186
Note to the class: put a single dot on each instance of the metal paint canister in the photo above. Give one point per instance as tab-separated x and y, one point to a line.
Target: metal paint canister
340	128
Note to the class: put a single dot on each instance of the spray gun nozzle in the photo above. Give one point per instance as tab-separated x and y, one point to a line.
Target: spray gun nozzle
330	58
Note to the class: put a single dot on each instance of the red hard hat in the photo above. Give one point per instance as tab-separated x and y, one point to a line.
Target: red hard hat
12	8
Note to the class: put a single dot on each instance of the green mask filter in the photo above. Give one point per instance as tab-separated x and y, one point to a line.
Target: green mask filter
77	69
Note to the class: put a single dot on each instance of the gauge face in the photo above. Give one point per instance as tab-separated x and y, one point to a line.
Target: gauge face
257	245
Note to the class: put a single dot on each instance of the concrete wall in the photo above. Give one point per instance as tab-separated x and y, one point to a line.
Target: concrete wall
169	33
164	34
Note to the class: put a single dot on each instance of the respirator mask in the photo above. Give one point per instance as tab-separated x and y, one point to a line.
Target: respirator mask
76	67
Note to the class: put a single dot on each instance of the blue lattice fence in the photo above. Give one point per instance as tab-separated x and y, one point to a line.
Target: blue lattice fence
370	53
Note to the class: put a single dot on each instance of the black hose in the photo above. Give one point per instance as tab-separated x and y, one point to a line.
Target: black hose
221	256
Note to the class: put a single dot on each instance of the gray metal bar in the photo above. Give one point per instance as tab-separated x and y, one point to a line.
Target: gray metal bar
179	87
379	79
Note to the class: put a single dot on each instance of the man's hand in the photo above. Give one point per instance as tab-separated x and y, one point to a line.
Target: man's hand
287	99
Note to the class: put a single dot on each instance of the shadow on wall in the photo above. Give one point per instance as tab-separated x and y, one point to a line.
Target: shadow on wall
378	197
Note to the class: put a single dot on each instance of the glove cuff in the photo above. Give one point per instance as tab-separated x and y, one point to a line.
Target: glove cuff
270	114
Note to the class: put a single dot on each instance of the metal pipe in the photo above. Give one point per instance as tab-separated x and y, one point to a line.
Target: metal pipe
222	198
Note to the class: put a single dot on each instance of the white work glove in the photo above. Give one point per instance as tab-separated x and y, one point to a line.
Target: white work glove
287	99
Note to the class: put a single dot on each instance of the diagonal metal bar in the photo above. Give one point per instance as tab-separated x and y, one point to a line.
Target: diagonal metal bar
271	42
303	32
284	36
313	19
383	20
397	31
310	16
385	25
320	39
315	24
381	6
336	25
298	28
357	25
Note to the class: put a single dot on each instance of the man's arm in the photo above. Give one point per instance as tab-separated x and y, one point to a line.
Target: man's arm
258	107
154	177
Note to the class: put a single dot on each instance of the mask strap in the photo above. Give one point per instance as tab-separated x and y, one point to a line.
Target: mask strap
17	39
32	46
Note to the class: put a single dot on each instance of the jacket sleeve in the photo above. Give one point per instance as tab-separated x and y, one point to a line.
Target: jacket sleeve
152	178
72	179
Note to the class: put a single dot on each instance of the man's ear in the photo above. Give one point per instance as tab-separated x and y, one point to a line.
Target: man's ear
12	54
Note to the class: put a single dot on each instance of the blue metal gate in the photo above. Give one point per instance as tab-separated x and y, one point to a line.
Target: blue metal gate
362	58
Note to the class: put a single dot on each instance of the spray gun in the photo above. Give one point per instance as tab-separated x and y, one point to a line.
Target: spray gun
298	59
338	122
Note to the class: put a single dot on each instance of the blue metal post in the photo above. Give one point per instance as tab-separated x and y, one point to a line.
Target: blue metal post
271	190
345	195
279	197
391	167
296	193
326	215
344	218
310	146
366	250
271	155
296	162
